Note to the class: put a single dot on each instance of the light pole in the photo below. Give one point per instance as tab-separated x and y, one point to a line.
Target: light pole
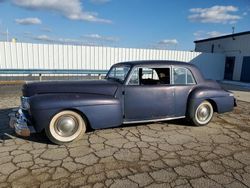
7	35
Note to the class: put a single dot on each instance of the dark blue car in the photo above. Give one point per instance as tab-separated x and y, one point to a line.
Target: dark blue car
132	92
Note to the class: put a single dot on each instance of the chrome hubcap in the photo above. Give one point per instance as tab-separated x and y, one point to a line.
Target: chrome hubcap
203	113
66	126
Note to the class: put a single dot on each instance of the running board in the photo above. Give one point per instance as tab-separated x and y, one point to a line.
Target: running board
153	120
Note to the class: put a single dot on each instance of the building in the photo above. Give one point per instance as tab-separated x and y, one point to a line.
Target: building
236	48
24	57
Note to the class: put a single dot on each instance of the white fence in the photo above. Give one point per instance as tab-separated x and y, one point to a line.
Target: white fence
56	56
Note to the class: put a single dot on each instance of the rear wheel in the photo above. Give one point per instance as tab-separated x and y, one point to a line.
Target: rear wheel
203	114
66	126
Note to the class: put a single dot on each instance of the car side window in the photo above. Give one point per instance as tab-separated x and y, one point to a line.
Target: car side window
134	79
148	73
150	76
182	76
119	72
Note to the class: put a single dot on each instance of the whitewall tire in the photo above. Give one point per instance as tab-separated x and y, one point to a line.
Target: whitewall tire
66	126
203	114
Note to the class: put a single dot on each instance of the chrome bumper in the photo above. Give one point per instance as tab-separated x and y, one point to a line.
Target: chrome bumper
18	121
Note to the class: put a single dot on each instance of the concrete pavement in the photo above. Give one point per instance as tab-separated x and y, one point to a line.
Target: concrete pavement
166	154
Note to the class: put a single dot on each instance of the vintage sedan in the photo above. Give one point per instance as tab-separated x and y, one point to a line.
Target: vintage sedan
132	92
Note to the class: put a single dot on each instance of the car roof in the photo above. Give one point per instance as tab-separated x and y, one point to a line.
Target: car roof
155	62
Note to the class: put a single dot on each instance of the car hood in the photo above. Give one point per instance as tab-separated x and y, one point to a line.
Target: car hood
102	87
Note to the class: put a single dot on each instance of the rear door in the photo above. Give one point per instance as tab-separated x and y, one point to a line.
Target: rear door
183	81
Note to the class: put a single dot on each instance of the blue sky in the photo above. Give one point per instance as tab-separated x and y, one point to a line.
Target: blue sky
122	23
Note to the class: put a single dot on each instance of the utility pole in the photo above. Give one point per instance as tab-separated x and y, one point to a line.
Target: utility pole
233	28
7	35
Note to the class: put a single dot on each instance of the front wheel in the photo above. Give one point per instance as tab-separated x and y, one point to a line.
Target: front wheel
203	114
66	126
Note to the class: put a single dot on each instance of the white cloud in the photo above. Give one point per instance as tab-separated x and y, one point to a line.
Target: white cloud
73	41
70	9
27	33
215	14
99	1
43	38
210	34
49	39
93	36
28	21
215	34
46	29
165	44
4	33
168	42
98	37
69	41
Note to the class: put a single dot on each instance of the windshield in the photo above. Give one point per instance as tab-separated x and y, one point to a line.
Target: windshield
118	73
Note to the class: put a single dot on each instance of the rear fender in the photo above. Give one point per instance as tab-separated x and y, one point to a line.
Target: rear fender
221	100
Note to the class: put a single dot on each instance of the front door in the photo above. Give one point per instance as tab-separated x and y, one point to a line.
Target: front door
148	102
229	68
149	95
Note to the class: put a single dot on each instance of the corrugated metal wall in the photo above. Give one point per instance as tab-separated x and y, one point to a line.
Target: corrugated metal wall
56	56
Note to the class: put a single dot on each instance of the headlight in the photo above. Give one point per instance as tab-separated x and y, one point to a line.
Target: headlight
25	103
231	94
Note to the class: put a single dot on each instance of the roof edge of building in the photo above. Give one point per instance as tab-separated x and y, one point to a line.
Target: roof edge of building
224	36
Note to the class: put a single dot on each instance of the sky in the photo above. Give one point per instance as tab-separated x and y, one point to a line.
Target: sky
159	24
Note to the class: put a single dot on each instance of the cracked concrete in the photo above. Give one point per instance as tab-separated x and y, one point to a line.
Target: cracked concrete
166	154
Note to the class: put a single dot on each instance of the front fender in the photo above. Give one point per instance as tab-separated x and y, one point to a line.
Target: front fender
52	101
101	111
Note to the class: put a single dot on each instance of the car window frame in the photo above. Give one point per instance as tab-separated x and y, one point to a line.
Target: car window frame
150	67
186	84
125	79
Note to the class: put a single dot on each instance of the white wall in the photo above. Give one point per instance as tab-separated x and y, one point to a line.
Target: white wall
56	56
212	66
237	46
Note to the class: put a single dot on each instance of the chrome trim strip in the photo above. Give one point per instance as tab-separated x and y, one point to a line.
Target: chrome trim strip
153	120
